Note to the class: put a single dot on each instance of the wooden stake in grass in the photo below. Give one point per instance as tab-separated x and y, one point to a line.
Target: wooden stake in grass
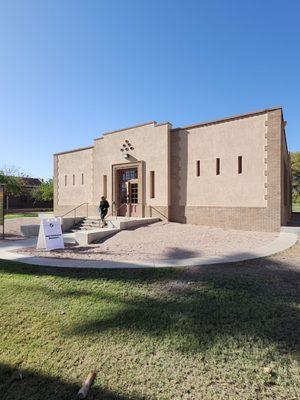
86	385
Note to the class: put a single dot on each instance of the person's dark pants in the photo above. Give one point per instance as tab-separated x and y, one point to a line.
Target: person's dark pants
103	214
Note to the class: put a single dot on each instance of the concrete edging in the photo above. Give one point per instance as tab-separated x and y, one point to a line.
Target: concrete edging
281	243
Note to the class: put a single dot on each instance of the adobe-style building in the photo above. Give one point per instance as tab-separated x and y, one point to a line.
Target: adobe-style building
230	173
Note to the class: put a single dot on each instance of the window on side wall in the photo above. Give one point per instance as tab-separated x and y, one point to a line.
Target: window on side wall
66	180
73	179
82	179
104	186
240	164
152	184
198	168
217	166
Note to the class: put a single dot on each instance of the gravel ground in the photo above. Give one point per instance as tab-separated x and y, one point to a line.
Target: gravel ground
12	227
165	241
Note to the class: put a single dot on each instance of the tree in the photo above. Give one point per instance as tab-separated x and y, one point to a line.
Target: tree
295	163
44	192
11	177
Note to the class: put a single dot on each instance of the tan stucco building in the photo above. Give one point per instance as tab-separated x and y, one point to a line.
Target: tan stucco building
230	173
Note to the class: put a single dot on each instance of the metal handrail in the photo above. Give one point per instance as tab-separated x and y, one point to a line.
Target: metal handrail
74	209
165	216
143	204
151	207
116	210
112	213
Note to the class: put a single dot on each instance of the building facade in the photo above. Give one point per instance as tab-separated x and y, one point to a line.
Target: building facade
230	173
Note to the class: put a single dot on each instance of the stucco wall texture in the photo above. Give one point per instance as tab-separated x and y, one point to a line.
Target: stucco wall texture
250	193
75	177
150	144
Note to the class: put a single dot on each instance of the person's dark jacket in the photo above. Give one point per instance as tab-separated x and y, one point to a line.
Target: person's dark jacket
104	205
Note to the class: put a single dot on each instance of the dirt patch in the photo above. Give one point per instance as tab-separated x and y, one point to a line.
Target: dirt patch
13	226
162	241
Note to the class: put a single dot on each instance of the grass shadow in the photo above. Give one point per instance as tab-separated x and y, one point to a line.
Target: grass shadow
197	307
20	384
203	307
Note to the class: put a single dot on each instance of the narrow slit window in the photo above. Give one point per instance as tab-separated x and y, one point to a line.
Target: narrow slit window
198	168
104	185
73	179
66	180
217	166
82	179
152	184
240	164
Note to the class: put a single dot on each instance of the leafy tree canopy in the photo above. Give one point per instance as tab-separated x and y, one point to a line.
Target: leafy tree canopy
11	177
295	161
44	191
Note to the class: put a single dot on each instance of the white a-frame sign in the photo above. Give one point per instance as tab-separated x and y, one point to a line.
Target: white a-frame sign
50	235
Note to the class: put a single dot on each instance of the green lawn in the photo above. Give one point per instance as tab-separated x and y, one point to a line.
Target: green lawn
21	215
226	332
296	207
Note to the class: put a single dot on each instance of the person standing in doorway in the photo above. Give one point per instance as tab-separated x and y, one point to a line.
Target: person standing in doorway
103	208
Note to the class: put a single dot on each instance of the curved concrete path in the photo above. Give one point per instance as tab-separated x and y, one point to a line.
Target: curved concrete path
282	242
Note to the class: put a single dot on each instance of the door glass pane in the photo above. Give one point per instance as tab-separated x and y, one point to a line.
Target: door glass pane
123	192
125	176
134	193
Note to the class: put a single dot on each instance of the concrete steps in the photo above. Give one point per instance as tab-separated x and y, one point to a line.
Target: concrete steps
86	224
88	230
84	238
90	224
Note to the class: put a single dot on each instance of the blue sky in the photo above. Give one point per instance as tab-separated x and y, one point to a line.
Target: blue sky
71	70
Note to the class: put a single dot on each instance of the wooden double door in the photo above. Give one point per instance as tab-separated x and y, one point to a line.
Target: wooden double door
128	193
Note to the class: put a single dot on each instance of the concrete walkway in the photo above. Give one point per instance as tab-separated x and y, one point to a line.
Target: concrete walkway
291	229
282	242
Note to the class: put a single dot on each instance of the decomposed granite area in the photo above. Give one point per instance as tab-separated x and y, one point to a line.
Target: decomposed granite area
165	240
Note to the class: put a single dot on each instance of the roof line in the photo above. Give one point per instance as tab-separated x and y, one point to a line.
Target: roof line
218	121
125	129
73	151
108	133
163	123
